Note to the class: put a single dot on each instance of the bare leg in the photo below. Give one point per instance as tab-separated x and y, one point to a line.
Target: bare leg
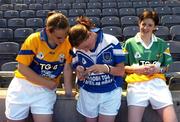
91	119
105	118
135	113
168	114
42	117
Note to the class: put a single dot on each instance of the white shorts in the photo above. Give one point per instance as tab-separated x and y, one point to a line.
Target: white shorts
92	104
154	91
23	96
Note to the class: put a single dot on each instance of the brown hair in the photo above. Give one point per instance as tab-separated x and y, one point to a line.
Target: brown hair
56	20
79	32
149	14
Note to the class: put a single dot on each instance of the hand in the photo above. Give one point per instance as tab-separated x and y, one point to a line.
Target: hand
80	70
52	84
97	68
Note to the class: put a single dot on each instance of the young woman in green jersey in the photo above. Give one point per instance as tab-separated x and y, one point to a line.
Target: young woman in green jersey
42	58
147	58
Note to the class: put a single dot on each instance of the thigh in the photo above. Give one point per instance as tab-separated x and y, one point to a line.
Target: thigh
87	104
17	101
43	102
110	102
168	114
137	94
42	117
160	95
105	118
135	113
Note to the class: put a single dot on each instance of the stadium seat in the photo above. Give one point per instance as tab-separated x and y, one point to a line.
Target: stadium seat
20	34
110	12
78	5
140	4
6	34
8	51
110	21
42	1
141	10
65	12
68	1
76	12
109	5
20	7
11	14
163	32
35	6
56	1
6	7
17	1
16	23
129	21
154	4
91	1
124	4
163	10
27	14
170	20
176	10
82	1
172	3
130	31
174	49
93	12
127	12
42	13
108	1
66	6
175	32
34	23
29	1
38	29
72	21
113	30
96	21
174	74
3	23
94	5
1	14
49	6
9	66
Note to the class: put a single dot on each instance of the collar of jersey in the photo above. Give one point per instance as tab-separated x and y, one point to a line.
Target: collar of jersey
44	37
99	37
139	40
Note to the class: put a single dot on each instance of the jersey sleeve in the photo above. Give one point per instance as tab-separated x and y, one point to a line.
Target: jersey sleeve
126	53
118	54
27	51
167	58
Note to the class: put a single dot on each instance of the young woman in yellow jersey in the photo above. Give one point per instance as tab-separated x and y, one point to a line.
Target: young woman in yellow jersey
42	58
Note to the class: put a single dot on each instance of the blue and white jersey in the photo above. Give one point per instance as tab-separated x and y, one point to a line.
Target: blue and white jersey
107	51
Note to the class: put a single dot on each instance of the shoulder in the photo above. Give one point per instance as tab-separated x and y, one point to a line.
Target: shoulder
33	38
110	39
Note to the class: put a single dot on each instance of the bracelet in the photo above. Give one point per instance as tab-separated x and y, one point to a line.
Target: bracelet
108	67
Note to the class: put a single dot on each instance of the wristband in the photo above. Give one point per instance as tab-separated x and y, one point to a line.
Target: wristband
108	67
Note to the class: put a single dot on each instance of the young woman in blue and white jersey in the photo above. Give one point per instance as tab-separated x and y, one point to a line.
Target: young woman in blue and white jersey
99	64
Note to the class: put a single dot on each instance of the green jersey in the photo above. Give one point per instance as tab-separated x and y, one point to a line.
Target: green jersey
137	53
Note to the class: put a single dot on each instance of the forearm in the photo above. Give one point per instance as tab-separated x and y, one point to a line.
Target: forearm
68	79
130	69
34	77
117	70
